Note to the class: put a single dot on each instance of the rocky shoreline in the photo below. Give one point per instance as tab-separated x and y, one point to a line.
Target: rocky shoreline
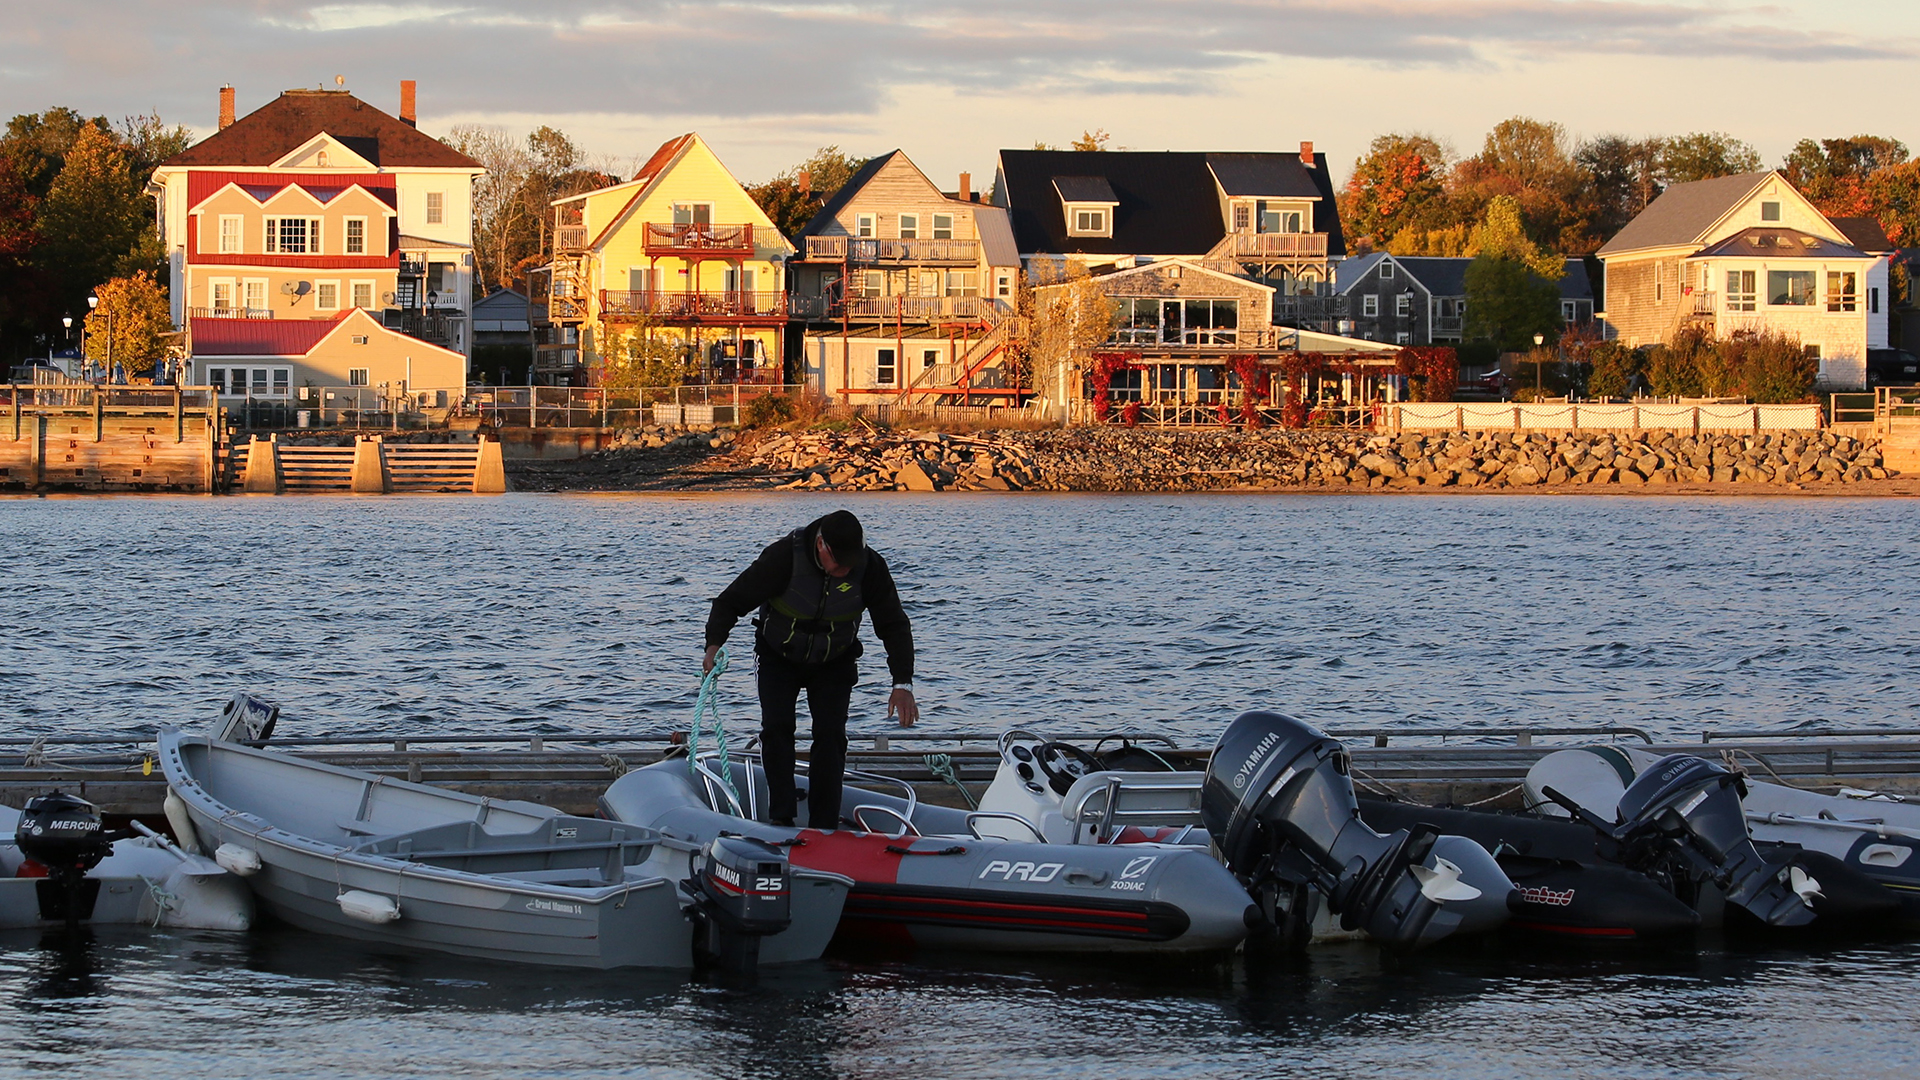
1152	460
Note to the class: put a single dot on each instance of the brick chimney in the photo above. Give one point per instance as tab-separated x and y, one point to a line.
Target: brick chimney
966	187
1306	154
805	180
407	114
226	107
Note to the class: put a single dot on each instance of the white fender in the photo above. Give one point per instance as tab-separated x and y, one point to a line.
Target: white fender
368	907
182	825
237	860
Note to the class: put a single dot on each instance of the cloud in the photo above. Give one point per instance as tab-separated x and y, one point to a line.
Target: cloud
741	59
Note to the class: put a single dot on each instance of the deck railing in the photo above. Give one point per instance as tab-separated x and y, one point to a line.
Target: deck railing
734	304
569	237
229	313
872	251
1279	245
700	237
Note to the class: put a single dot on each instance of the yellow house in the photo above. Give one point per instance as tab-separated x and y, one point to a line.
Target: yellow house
681	252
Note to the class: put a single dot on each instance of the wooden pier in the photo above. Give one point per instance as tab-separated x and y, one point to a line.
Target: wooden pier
82	437
569	772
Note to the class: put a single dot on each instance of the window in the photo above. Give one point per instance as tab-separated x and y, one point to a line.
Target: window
1287	221
1740	290
693	213
1386	269
358	377
1659	284
1242	217
1090	222
230	234
909	226
1873	301
1790	288
1818	356
1403	305
1003	284
1566	311
1402	337
217	378
363	294
943	226
256	290
928	358
869	284
883	368
326	296
293	236
1841	294
863	225
1370	306
738	280
962	283
356	236
436	207
281	377
222	298
1138	321
1769	211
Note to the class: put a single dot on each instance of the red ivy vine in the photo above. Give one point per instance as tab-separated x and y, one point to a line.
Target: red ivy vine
1100	375
1434	371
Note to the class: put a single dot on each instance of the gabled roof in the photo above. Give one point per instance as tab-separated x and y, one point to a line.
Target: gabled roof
1684	212
996	236
1864	233
1778	243
1186	267
830	210
1263	176
1168	201
645	181
1084	189
268	134
1446	276
204	185
261	337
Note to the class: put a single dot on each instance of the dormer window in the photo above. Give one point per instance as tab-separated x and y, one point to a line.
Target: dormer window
1087	203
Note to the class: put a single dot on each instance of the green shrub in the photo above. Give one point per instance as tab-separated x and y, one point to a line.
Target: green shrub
770	410
1611	368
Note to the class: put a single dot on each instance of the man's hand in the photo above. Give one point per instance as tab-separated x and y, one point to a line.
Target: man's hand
706	665
901	702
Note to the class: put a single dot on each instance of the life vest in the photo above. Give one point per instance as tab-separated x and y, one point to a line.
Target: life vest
818	618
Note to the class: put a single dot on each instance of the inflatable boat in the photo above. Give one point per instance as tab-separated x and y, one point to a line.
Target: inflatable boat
1856	846
931	876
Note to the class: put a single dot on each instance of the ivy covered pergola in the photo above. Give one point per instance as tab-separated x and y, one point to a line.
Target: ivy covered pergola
1293	389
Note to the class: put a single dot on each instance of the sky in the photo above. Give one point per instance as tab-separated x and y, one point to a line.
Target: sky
768	81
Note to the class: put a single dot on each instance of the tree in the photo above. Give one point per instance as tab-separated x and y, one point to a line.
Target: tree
636	360
1511	294
1836	174
1092	140
1063	313
1450	242
1395	187
95	222
1502	235
1528	160
1705	155
131	327
1619	177
789	203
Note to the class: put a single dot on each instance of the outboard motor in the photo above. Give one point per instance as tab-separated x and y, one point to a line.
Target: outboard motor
740	895
1690	806
1278	800
62	833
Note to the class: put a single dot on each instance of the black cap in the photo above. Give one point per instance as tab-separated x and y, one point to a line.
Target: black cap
842	532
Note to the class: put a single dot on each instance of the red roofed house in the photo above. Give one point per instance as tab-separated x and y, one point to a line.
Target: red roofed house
316	206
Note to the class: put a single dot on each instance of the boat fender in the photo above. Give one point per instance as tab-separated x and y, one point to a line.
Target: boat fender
182	825
368	907
237	860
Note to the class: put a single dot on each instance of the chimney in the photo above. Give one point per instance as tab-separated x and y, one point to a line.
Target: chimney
226	107
805	180
407	115
966	187
1306	154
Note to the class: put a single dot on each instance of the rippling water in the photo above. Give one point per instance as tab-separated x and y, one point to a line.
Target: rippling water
556	613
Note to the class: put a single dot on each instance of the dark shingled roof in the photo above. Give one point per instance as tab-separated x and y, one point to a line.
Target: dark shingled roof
1168	200
1864	233
1278	176
1682	213
1084	189
284	124
838	200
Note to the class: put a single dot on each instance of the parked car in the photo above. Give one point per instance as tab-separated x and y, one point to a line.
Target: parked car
1892	367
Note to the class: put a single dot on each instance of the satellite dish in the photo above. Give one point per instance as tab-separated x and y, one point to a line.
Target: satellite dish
339	80
286	288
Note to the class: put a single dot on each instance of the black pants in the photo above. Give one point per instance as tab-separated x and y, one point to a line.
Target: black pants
829	690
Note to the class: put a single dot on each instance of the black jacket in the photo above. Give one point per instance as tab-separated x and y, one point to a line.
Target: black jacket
768	578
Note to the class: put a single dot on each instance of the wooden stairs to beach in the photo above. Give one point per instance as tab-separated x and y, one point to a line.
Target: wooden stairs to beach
369	466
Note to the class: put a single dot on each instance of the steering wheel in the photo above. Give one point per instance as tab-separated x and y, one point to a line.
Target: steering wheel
1063	763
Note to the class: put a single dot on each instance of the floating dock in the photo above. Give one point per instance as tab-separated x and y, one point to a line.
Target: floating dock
569	771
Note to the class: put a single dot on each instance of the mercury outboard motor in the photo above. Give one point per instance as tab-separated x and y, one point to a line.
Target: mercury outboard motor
1278	800
1690	807
740	895
63	834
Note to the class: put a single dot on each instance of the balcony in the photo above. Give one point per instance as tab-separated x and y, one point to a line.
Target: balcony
700	239
229	313
570	238
1277	246
900	308
693	306
871	251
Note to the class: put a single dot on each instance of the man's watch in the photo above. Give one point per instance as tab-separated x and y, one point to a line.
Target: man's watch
903	686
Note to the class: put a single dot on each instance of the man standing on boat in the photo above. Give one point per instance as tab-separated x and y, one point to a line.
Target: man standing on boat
811	586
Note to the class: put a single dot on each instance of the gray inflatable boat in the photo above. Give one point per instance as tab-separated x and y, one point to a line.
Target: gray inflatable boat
360	855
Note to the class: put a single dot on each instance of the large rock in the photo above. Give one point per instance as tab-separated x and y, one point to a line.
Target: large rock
914	478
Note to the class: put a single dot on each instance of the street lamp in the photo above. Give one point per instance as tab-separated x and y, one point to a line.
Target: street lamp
1539	390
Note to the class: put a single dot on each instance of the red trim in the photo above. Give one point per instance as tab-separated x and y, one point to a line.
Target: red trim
297	262
201	185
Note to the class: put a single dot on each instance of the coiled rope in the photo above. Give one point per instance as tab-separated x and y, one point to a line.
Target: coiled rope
941	766
709	703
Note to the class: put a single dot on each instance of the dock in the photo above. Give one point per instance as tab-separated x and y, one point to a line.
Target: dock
1434	766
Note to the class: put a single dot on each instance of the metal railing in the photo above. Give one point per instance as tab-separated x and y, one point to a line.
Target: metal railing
229	313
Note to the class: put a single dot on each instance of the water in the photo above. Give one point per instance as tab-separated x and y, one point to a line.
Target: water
555	613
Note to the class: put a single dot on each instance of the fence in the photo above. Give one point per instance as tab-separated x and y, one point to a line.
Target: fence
380	408
1599	416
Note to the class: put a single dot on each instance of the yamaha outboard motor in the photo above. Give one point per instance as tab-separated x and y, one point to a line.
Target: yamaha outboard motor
1278	800
740	895
62	833
1690	806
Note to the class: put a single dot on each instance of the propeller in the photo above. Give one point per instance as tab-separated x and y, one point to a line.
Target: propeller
1442	883
1804	885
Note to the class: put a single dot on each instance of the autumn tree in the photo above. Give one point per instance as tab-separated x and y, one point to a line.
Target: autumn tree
1396	186
1705	155
1836	174
95	223
636	359
1528	160
132	325
1096	139
1062	313
1511	283
791	203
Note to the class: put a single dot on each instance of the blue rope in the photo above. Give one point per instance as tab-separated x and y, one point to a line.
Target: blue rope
709	702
